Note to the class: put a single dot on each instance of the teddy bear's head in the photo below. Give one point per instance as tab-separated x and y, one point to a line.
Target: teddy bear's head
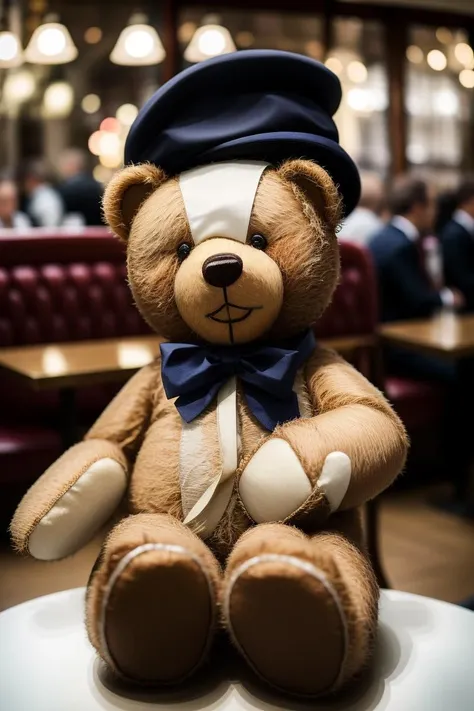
215	284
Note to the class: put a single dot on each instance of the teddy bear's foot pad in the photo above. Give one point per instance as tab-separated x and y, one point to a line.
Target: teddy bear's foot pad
157	614
286	619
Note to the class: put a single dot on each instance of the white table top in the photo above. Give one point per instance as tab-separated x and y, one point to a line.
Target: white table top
424	662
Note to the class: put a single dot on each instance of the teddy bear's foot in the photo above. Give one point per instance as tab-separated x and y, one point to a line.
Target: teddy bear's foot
294	609
151	603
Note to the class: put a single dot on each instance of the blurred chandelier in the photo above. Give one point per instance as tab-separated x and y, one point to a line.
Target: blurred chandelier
51	43
11	54
209	40
138	44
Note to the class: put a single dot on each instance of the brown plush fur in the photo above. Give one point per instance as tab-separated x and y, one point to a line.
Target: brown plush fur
169	621
345	567
301	243
55	482
346	404
127	192
172	464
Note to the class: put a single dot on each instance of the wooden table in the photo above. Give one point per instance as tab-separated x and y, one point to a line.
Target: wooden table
447	335
450	337
67	366
74	365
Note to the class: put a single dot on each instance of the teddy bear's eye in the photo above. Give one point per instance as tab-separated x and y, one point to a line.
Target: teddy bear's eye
183	251
258	241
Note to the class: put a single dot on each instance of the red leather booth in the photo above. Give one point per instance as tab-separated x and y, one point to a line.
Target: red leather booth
54	286
70	286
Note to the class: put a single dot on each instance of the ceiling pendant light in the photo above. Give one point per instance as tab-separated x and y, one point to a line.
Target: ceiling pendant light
209	40
51	43
11	54
138	44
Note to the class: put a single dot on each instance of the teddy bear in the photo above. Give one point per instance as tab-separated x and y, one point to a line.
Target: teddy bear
244	452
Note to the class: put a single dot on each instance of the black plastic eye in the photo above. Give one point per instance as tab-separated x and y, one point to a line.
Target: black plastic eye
258	241
184	250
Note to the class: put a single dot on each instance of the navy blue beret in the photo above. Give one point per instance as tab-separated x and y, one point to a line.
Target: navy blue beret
254	105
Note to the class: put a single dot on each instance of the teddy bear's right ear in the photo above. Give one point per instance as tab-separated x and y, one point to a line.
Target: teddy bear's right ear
126	192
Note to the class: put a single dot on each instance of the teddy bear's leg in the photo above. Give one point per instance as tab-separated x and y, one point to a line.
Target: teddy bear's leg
151	602
301	611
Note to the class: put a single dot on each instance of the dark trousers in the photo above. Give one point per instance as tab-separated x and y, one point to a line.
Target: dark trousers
457	426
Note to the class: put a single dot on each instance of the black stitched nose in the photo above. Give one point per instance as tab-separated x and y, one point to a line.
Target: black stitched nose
222	269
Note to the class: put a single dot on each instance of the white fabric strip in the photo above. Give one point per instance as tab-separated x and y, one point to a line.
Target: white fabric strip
208	510
219	198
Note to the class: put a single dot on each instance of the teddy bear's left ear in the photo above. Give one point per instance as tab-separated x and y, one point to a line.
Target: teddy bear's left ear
126	192
315	186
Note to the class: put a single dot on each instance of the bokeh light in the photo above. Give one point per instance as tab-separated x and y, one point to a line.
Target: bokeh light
127	114
93	35
91	103
437	60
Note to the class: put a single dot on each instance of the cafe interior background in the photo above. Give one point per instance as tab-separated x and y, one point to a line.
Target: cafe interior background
407	72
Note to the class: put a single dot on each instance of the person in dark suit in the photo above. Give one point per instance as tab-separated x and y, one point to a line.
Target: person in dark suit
457	239
409	289
81	193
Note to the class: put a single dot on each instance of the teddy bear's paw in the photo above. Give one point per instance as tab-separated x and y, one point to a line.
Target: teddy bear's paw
157	614
273	484
335	478
71	500
287	620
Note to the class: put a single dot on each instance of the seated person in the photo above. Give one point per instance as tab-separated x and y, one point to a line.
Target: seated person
457	238
408	291
405	285
10	216
368	217
44	205
81	193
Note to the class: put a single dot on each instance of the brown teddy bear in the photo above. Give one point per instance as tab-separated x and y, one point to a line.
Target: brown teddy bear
245	450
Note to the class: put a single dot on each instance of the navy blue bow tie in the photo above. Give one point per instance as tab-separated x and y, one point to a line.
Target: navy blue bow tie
195	375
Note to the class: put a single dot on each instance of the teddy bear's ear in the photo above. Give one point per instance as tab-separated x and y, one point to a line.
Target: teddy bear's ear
314	185
126	192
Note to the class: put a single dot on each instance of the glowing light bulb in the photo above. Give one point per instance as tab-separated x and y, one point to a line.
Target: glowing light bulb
9	46
51	41
139	44
209	41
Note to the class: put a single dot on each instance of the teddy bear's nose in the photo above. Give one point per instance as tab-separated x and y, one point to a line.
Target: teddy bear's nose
222	269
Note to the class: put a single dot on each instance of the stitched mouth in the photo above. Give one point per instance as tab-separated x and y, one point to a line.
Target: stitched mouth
230	313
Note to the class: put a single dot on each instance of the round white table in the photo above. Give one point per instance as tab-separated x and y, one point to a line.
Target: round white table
424	661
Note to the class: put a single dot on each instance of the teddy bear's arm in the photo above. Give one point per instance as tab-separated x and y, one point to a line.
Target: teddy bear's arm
81	490
350	451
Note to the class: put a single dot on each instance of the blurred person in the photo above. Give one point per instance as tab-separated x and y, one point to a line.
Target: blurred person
407	285
407	291
457	239
446	204
81	193
43	202
368	217
10	216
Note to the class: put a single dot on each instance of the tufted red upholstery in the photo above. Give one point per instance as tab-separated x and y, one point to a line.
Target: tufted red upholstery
64	288
55	286
353	310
